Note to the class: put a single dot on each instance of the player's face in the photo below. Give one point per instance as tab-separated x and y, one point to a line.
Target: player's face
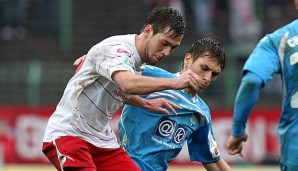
160	45
207	70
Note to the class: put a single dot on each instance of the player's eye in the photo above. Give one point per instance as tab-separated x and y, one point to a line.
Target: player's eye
204	68
215	74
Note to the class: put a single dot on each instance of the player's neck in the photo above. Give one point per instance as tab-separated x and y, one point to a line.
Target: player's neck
140	44
189	91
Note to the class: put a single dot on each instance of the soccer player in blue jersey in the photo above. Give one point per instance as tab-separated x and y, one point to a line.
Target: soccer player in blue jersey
276	53
153	139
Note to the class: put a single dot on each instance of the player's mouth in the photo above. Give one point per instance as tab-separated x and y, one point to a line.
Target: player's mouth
202	86
159	58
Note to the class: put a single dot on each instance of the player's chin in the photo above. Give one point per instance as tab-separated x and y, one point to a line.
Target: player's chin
198	89
152	62
158	59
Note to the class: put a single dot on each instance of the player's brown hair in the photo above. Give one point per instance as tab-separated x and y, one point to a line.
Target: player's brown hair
162	18
209	44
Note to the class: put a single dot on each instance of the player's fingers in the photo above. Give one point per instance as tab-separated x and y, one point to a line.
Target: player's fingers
230	144
192	82
241	154
230	149
245	137
194	77
175	105
162	110
190	77
234	151
234	148
168	105
171	107
78	61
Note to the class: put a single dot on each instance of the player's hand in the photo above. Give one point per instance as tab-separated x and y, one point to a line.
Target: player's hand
187	79
78	61
160	105
235	144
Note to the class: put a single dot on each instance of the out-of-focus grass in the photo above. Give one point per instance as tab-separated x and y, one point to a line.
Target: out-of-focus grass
234	168
171	168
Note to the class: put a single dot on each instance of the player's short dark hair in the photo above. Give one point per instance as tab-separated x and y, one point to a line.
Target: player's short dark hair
165	17
209	44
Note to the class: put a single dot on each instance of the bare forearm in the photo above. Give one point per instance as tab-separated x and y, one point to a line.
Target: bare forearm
136	101
156	105
146	85
135	84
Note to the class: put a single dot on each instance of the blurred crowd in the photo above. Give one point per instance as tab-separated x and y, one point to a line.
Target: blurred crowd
245	20
243	25
13	17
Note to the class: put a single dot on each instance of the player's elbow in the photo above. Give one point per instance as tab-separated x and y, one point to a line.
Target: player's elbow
128	88
252	80
125	81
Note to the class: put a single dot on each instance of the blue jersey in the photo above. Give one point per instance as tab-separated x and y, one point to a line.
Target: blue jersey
154	139
277	53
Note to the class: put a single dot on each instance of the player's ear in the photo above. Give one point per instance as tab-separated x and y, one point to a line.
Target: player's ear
148	30
187	61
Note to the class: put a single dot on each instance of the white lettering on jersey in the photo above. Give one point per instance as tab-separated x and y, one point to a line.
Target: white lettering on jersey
292	42
294	58
172	131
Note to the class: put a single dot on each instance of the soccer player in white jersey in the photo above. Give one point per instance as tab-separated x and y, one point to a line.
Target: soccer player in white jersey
152	140
276	53
78	136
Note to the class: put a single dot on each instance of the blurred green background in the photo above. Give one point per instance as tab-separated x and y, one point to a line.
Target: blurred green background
36	63
35	67
40	40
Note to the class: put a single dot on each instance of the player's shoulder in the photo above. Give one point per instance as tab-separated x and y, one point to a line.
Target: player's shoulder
123	37
155	71
293	24
127	40
282	31
124	44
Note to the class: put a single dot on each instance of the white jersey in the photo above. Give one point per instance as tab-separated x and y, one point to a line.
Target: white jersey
91	96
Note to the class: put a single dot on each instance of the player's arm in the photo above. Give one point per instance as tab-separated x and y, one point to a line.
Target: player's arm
135	84
219	165
158	105
246	99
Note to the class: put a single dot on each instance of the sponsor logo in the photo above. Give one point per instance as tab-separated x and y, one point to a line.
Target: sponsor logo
292	42
294	58
216	152
193	120
166	128
171	130
127	62
179	135
120	50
